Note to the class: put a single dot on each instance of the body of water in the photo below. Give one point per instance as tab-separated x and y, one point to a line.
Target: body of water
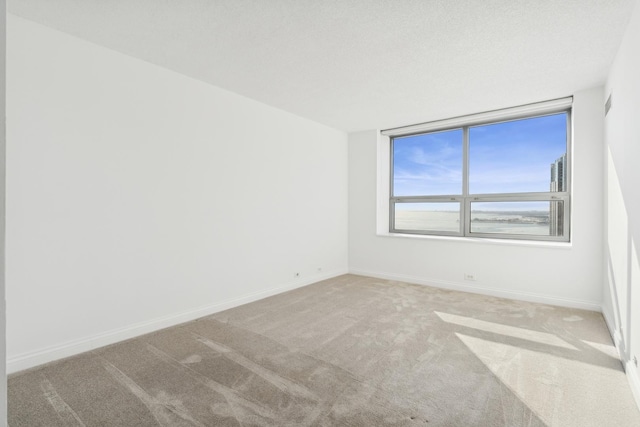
535	223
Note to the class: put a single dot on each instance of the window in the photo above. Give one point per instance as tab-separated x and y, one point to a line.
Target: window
500	175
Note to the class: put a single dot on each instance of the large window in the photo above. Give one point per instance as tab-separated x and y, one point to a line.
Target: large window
507	177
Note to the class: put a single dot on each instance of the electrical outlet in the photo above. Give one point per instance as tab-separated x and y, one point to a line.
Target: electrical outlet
469	276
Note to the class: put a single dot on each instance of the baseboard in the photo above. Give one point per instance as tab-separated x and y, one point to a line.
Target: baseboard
32	359
631	371
614	332
456	286
634	381
610	325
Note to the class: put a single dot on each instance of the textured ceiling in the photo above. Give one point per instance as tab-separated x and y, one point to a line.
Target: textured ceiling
357	64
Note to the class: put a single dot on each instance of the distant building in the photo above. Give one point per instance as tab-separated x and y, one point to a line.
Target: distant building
558	184
559	174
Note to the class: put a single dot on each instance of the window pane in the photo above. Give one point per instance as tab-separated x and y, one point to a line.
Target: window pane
428	164
428	216
519	156
527	218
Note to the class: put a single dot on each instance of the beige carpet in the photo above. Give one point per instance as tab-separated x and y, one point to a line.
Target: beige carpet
351	351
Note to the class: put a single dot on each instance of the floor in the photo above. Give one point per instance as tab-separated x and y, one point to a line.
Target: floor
349	351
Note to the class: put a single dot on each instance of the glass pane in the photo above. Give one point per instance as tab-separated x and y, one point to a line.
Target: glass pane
528	218
428	216
428	164
520	156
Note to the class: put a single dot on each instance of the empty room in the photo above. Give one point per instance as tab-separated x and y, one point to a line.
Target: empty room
321	213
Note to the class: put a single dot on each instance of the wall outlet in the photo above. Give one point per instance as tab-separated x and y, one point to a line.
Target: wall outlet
469	276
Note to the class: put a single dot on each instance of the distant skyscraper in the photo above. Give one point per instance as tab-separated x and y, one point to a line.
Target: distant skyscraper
558	184
559	174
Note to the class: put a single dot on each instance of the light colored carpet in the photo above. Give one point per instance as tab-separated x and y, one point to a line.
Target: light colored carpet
350	351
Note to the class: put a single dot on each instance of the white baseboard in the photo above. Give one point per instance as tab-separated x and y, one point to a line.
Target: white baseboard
631	371
615	334
634	381
35	358
610	325
522	296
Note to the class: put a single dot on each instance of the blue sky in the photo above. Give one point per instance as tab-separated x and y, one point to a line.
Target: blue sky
503	158
428	164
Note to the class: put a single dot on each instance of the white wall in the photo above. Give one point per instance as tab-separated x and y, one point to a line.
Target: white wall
552	273
138	198
3	348
622	226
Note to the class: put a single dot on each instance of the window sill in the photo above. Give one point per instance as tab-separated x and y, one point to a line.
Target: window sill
478	240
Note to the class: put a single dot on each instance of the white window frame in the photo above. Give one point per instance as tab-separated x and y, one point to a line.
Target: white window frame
387	201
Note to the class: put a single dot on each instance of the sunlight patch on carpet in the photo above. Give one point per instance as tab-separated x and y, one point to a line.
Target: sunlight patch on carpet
510	331
550	384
